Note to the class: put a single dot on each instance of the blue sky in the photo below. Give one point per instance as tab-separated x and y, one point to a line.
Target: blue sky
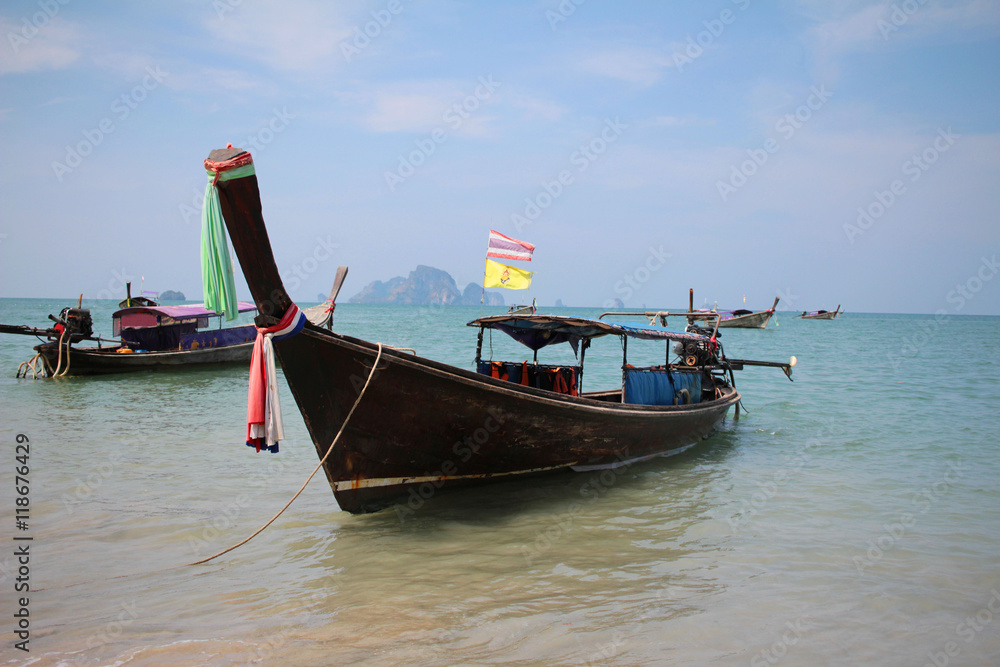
827	152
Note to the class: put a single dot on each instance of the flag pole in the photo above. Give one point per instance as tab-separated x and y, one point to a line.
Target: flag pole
482	298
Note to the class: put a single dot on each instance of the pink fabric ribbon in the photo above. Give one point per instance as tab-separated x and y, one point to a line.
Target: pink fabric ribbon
264	427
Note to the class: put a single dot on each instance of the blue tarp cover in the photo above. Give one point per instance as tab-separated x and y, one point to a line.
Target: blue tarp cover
647	386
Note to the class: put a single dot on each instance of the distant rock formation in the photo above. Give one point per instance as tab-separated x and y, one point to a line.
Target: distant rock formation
425	286
473	292
560	304
172	295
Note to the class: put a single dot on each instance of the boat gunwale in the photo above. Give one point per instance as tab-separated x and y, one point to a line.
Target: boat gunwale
92	351
473	379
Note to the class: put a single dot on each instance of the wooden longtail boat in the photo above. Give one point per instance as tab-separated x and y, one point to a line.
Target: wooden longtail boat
423	426
745	319
821	314
153	337
523	309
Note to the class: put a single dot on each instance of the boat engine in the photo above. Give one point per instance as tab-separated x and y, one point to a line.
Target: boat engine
76	322
704	353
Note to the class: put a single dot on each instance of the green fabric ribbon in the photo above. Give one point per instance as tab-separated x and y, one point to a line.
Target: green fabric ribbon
218	283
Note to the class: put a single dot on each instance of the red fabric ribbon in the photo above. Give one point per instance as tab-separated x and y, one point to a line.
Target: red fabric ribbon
257	392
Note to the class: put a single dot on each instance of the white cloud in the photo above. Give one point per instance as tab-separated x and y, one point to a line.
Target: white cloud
858	27
405	112
61	100
305	37
535	107
643	67
459	109
677	121
53	45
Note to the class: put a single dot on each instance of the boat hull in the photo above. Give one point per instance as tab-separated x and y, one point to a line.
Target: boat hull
423	427
100	361
751	321
827	315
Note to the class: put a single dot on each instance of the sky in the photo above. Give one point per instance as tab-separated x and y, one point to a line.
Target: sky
827	152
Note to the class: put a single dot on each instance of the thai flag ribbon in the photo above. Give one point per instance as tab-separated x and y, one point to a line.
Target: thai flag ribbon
264	426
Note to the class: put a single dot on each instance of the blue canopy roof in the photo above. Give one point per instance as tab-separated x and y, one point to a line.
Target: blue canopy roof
537	331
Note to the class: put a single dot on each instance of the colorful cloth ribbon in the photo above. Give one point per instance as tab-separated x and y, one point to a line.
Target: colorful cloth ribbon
264	426
218	283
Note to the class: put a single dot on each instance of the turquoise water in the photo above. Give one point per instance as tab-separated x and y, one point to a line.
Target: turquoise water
852	517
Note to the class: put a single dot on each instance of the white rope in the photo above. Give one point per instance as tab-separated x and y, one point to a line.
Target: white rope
311	475
257	532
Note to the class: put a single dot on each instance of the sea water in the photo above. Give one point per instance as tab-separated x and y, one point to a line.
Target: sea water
849	517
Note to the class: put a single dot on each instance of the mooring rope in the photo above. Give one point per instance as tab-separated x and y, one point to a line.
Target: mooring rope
59	348
65	370
311	475
22	370
343	426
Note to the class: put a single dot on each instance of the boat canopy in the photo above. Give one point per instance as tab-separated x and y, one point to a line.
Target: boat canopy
538	331
151	316
182	312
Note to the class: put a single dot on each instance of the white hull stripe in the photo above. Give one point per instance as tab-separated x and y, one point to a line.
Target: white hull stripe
619	464
352	484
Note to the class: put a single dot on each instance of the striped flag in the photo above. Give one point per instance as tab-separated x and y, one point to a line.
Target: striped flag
505	247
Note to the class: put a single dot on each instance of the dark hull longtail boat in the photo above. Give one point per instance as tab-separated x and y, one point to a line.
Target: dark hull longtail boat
821	314
422	426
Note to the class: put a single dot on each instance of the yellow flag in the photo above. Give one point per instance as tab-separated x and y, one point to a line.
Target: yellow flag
501	275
